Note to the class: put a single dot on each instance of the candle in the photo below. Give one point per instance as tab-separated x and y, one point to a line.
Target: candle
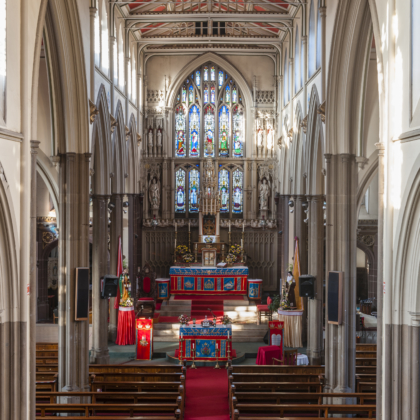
242	243
182	335
243	227
217	346
228	334
192	345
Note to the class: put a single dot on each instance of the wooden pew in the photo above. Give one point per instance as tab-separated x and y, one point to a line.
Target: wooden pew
366	353
137	369
262	369
102	409
368	409
47	346
365	361
366	347
46	353
138	377
175	417
46	368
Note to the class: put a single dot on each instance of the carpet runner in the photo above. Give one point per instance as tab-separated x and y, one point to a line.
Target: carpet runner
206	394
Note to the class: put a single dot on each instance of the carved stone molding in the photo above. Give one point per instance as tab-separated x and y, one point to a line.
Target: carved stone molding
265	97
93	111
155	96
114	122
321	111
304	124
46	219
368	240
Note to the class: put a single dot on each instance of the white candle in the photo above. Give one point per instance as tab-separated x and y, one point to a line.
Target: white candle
192	345
182	335
242	243
228	334
217	346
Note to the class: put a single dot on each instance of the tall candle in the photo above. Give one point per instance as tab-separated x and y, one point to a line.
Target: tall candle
242	243
182	335
228	334
192	345
217	345
243	227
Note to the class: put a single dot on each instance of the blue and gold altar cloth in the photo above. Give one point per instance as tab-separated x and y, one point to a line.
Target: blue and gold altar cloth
206	342
209	280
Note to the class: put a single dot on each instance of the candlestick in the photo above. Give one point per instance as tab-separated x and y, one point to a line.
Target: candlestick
229	227
180	351
243	227
217	359
193	366
176	226
189	226
228	351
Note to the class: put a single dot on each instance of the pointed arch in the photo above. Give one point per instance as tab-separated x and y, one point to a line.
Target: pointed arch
132	182
101	161
119	155
298	152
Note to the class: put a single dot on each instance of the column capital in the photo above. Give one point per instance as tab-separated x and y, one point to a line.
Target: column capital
381	147
328	157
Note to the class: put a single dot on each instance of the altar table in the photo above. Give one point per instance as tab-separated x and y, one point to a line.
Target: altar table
204	340
209	280
292	327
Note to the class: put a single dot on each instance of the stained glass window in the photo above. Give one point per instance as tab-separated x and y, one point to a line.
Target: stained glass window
213	95
209	132
224	190
180	191
194	131
206	94
191	94
227	97
194	183
238	136
224	131
213	74
206	74
197	78
234	95
180	132
184	94
237	191
220	79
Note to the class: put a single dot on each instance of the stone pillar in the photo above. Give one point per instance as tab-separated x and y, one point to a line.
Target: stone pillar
138	234
301	231
316	269
380	276
115	231
32	283
165	188
279	215
99	353
73	251
131	267
340	346
285	254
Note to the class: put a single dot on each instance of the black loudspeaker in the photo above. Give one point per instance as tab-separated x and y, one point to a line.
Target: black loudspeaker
307	286
335	297
110	286
82	294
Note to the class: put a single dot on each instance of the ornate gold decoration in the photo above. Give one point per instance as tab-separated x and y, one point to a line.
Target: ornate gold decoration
46	219
47	238
93	111
138	139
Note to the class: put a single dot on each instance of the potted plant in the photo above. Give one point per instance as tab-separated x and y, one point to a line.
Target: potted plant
225	320
184	319
230	259
188	258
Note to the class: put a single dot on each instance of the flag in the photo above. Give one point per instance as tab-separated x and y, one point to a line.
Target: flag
296	274
119	272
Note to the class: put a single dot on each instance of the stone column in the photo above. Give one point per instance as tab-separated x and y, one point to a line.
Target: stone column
301	231
138	234
340	346
115	231
131	267
165	188
285	254
99	352
316	269
32	283
279	215
73	251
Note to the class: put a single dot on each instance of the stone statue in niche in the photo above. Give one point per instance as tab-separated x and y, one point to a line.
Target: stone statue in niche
264	193
159	137
270	139
150	137
154	194
260	137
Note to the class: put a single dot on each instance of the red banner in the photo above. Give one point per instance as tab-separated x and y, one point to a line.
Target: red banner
144	339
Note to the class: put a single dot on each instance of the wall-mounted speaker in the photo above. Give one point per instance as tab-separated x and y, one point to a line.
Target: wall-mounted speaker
335	297
110	286
82	294
307	286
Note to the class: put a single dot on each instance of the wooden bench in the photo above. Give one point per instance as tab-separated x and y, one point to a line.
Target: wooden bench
46	353
366	347
46	368
365	361
137	369
175	417
117	397
366	387
280	409
92	409
47	346
135	386
366	353
46	386
262	369
178	378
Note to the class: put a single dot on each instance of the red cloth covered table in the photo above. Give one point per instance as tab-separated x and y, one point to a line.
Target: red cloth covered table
265	355
126	326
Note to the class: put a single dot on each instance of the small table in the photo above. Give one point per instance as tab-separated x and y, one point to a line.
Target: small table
267	353
302	359
292	327
126	326
163	288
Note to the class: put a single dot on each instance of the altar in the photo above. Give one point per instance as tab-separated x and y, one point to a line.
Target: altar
209	280
205	343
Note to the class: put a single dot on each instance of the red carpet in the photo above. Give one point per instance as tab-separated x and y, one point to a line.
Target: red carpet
199	309
206	394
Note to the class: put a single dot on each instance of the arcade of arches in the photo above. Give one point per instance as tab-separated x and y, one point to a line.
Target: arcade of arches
305	113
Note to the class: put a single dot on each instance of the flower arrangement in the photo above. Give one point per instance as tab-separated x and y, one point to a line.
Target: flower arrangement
181	249
184	319
235	249
188	257
230	258
225	320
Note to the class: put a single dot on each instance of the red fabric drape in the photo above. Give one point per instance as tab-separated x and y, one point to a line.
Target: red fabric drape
119	271
126	326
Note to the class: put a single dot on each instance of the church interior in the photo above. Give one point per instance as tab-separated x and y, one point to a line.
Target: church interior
209	209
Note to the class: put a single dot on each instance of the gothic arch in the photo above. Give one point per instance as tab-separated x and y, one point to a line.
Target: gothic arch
298	152
314	151
132	159
366	176
119	153
101	161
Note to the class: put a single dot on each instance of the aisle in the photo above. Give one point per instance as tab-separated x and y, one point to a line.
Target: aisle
206	394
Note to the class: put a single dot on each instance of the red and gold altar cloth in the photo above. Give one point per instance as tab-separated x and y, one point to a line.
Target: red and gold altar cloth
205	342
144	339
209	280
125	330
